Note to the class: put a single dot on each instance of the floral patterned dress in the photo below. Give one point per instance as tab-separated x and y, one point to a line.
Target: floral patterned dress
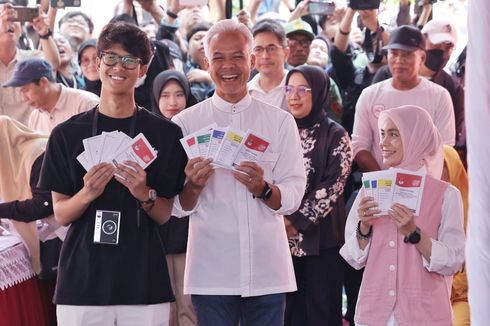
320	219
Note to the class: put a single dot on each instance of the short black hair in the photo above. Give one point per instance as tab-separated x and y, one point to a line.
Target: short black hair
130	37
199	27
270	26
71	14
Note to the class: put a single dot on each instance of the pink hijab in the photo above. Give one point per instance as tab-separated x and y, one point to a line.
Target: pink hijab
422	142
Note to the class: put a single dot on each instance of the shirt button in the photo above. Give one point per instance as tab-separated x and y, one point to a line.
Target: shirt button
391	293
391	244
392	268
46	203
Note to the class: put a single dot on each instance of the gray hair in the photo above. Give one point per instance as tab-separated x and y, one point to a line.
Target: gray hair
227	26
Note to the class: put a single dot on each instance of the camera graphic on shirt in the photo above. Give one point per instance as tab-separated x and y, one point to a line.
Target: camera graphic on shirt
106	229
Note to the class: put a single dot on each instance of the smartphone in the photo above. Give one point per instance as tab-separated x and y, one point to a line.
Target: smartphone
321	8
26	14
364	4
65	3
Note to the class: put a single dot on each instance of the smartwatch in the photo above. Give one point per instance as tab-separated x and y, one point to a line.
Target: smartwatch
413	237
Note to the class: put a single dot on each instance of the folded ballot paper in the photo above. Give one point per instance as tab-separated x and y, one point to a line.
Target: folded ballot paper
227	146
116	147
395	186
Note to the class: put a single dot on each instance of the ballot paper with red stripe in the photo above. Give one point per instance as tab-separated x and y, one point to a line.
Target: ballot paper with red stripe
227	146
395	185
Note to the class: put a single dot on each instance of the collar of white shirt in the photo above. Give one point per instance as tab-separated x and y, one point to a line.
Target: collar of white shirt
228	107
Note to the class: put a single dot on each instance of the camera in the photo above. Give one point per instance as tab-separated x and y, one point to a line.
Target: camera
364	4
107	227
321	8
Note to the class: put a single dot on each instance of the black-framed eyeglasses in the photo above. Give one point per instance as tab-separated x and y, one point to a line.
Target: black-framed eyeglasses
270	49
128	62
300	90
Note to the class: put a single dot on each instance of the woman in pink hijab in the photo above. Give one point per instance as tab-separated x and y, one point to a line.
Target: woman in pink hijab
409	259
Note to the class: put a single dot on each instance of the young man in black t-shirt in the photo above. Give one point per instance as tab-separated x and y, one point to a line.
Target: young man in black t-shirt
126	283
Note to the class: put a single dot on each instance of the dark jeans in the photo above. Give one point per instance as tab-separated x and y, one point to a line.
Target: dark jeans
318	300
232	310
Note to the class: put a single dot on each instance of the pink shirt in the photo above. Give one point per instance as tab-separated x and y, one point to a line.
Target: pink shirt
382	96
399	285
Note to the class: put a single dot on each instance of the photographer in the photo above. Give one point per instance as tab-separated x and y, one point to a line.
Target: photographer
11	103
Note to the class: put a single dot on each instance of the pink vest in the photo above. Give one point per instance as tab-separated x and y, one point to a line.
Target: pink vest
395	278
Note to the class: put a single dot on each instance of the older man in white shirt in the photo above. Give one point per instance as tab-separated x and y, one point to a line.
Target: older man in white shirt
238	264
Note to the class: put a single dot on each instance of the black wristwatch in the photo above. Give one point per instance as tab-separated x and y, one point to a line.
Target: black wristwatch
266	193
47	35
413	237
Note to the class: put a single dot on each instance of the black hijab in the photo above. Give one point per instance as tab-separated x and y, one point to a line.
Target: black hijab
319	83
162	79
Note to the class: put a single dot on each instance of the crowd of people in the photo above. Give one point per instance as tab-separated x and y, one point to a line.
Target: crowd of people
274	241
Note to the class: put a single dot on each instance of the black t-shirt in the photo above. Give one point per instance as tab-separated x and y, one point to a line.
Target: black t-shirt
134	271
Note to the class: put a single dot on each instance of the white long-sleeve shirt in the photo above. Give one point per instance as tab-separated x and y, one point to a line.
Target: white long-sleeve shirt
237	245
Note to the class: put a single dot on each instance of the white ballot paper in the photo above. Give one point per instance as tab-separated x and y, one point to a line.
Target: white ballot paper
379	185
217	136
116	147
252	148
395	186
197	144
189	144
229	148
408	189
140	151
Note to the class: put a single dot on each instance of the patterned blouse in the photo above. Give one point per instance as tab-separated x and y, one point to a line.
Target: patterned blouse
320	219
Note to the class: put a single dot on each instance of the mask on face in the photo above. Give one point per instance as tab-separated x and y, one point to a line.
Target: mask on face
434	59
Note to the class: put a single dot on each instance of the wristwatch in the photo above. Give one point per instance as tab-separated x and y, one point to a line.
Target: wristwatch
152	197
413	237
266	193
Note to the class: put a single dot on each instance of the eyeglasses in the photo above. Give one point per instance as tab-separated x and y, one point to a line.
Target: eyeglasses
270	49
80	21
300	90
128	62
302	43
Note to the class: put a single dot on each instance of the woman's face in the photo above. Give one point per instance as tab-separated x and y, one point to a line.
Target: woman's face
88	64
172	99
391	144
299	97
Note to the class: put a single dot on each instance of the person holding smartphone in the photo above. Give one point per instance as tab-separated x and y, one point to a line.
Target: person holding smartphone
11	103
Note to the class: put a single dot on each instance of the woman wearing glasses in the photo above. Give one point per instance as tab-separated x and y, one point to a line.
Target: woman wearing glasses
316	230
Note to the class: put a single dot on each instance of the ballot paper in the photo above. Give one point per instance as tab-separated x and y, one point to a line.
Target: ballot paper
140	151
251	149
395	186
116	147
408	189
215	141
227	146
